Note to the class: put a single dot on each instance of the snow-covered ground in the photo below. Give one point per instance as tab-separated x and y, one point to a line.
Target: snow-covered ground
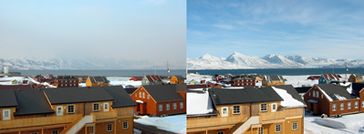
299	80
347	124
204	104
176	123
197	77
123	81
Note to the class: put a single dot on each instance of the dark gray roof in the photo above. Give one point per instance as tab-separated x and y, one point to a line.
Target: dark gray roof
276	77
130	90
163	93
99	79
31	101
246	95
356	88
292	91
333	90
76	95
121	97
7	98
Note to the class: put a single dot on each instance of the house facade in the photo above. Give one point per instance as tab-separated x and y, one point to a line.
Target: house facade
248	111
65	81
243	80
356	78
97	81
66	111
333	100
273	80
159	100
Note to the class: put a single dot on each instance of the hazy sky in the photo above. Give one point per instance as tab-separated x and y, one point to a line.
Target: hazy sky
324	28
150	32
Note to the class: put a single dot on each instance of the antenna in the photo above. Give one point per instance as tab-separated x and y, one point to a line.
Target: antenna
168	69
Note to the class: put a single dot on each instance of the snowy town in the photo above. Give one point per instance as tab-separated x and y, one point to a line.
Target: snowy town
252	103
71	104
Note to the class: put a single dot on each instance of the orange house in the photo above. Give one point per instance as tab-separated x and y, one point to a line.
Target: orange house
159	100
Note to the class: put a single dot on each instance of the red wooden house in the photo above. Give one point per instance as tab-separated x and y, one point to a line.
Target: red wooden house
159	100
333	100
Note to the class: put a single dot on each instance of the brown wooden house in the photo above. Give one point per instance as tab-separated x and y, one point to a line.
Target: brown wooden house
65	81
66	110
243	81
333	100
159	100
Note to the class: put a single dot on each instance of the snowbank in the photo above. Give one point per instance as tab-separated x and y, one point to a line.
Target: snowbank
198	102
176	123
123	81
299	80
288	100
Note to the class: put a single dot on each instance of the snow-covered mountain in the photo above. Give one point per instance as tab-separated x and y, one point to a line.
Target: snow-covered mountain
240	61
56	64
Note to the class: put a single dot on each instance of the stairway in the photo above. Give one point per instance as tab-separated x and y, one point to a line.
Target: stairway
79	125
247	124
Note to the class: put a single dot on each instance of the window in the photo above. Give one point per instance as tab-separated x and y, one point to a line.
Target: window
59	110
148	96
278	127
236	109
140	94
91	129
96	107
181	105
143	95
109	127
349	105
263	107
224	111
174	106
314	93
333	107
356	105
168	107
309	93
260	130
160	107
34	133
6	114
125	125
220	132
294	126
362	104
342	106
106	107
55	132
274	107
71	109
322	96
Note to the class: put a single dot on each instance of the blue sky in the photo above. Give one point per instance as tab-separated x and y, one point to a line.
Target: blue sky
147	32
325	28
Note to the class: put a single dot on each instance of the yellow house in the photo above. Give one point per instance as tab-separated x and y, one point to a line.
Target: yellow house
273	80
97	81
356	78
176	79
66	110
248	111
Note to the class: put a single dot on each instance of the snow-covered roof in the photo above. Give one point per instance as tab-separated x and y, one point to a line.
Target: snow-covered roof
288	100
199	102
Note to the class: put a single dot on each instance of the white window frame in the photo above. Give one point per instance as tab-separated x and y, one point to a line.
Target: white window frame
266	107
160	107
333	107
295	125
349	105
224	111
342	106
181	105
55	131
356	103
174	106
168	107
9	114
74	108
107	127
59	112
279	126
362	104
236	111
106	107
274	105
123	125
260	130
93	107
